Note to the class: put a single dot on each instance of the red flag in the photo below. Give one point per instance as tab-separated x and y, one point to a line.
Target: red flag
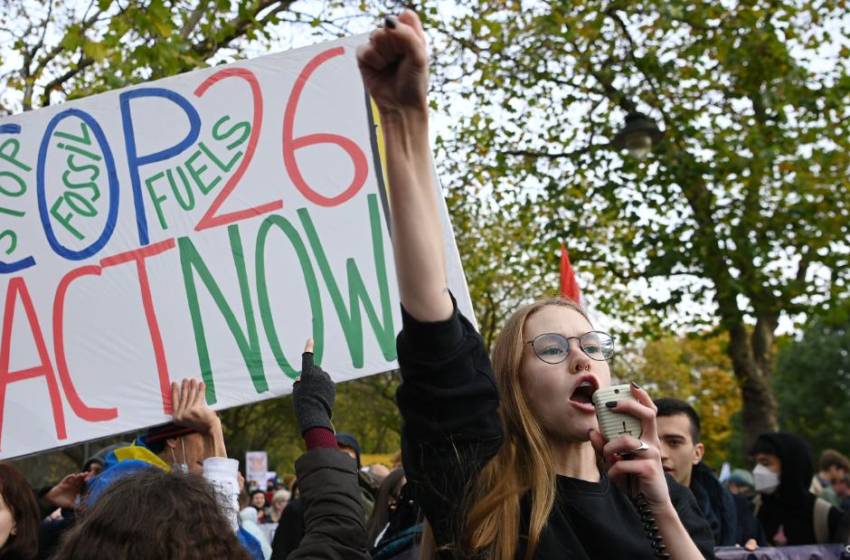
569	286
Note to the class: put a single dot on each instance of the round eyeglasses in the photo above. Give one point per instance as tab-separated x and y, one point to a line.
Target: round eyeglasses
554	348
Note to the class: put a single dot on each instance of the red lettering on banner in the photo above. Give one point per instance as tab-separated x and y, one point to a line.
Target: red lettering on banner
291	145
210	219
139	256
17	286
77	405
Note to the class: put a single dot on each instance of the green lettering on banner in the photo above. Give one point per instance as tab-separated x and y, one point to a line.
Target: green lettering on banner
184	204
244	127
249	347
65	219
350	319
197	172
22	186
86	208
156	199
13	240
10	157
312	291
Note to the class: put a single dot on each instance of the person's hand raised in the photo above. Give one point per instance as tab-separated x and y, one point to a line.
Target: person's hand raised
190	407
313	394
64	494
394	65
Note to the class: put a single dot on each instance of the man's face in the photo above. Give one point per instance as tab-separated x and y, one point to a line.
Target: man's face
679	454
193	445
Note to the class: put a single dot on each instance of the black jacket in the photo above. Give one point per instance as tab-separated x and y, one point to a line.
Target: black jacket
290	530
334	527
449	401
792	505
731	518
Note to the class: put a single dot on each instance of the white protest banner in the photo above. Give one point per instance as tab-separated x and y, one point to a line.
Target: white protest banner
199	226
256	468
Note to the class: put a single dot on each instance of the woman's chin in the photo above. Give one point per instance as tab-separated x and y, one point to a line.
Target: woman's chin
576	429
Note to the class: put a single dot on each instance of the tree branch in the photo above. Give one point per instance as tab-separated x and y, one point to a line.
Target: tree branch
194	18
656	87
210	46
59	81
553	155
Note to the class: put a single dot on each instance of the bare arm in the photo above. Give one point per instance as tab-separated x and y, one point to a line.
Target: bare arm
394	66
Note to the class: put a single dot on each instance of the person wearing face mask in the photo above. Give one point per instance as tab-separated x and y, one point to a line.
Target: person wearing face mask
790	514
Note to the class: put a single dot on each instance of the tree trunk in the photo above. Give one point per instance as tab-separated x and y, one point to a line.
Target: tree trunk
752	362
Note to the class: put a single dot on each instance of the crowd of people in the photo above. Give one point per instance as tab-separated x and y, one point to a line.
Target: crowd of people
502	454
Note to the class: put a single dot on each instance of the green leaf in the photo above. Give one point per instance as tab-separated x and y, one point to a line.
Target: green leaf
96	51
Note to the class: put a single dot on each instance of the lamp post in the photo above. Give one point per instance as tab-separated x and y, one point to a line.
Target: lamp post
639	136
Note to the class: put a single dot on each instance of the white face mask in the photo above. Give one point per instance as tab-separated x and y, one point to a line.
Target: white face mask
180	467
766	481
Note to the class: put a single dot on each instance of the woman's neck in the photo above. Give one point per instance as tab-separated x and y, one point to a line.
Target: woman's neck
576	460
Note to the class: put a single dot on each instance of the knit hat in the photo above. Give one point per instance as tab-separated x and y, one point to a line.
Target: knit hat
348	440
92	461
741	477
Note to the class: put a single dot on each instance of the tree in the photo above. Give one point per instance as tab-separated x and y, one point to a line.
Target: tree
812	384
65	50
504	264
738	218
696	369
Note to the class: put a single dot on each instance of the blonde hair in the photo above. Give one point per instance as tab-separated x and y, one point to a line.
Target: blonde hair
523	464
281	496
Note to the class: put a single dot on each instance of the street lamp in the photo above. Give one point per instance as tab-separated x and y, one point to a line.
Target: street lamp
639	136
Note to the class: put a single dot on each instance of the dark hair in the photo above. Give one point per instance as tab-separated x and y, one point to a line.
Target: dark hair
93	461
156	446
390	487
154	515
832	458
671	407
766	446
258	491
20	499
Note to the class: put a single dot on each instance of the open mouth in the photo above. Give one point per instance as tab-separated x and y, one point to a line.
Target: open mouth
584	389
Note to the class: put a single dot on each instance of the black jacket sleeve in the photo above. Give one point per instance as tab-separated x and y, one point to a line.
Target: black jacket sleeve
692	517
449	401
333	513
290	530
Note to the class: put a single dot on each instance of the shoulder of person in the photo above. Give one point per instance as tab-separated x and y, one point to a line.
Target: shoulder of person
679	494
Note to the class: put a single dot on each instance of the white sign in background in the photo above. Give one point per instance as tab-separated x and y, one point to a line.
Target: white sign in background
257	468
199	226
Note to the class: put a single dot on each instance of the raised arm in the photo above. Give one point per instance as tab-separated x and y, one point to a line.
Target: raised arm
394	66
334	523
191	410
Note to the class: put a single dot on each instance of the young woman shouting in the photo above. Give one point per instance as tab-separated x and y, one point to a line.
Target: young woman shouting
502	454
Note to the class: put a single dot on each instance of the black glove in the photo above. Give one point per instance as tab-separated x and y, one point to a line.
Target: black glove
313	396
